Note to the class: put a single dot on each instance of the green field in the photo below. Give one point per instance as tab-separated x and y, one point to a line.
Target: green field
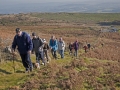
42	18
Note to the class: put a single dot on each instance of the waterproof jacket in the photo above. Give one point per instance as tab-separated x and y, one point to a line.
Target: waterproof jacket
53	44
23	42
61	45
37	44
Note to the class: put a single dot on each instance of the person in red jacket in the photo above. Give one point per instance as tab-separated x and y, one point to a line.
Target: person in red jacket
85	48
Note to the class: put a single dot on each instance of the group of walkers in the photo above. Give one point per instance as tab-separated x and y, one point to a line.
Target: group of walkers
40	47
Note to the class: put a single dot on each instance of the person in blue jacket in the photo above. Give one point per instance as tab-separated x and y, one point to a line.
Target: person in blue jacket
53	46
24	45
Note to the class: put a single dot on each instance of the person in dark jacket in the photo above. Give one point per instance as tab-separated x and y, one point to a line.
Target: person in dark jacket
89	46
76	47
38	48
24	45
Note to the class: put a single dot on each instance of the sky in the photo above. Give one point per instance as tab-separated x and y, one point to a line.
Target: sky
41	1
46	1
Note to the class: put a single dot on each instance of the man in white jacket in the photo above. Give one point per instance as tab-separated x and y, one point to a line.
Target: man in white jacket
61	47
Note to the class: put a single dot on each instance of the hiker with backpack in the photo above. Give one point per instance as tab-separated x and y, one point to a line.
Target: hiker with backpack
53	46
38	49
24	45
61	47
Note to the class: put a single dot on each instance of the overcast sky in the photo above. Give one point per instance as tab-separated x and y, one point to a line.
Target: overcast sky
41	1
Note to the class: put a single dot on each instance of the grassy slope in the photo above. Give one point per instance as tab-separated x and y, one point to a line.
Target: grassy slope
9	78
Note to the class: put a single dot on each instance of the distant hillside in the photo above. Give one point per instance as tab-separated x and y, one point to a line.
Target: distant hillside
85	7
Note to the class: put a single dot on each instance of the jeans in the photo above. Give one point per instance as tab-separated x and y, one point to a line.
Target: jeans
54	53
61	53
26	61
40	56
76	53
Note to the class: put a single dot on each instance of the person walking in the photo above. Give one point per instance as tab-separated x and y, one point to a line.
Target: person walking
38	48
89	46
85	48
53	46
24	45
71	48
76	47
45	50
61	47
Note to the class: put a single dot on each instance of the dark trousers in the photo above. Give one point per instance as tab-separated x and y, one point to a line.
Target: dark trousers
26	61
46	54
40	56
54	53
